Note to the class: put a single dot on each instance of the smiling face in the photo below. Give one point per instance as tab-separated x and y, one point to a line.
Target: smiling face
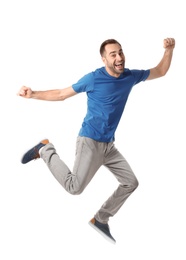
114	59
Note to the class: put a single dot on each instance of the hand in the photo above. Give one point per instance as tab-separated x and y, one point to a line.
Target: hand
25	92
169	43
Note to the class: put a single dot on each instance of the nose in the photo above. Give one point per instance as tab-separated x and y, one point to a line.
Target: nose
118	57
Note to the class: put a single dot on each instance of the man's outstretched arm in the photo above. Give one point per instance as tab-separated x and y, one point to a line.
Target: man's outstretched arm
49	95
161	69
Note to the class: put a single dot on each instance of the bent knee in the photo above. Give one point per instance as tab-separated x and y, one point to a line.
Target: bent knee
75	191
133	184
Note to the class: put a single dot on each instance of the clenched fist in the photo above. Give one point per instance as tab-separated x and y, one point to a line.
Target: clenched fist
169	43
25	92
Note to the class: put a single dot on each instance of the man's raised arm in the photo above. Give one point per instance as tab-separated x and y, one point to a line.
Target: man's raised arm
161	69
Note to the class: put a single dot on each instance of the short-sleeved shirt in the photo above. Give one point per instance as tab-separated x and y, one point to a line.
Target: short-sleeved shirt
106	100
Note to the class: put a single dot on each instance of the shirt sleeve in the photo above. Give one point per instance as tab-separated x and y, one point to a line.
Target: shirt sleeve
85	84
140	75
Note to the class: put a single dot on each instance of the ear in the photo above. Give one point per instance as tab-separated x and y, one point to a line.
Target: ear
103	59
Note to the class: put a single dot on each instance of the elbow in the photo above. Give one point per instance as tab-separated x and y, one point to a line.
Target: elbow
61	96
163	70
163	73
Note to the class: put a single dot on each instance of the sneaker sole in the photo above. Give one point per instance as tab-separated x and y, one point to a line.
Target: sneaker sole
102	233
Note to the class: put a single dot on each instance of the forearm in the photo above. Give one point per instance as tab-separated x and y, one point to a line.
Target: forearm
165	63
48	95
161	69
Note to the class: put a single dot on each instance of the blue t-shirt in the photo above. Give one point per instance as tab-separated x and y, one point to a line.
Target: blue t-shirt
106	99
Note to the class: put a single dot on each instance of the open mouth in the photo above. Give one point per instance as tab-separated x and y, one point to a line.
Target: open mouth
119	66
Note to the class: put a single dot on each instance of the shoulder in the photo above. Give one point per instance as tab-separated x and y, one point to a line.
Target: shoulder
140	75
99	71
127	72
85	83
91	75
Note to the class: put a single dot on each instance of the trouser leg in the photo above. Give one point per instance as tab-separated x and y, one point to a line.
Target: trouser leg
90	155
117	164
87	162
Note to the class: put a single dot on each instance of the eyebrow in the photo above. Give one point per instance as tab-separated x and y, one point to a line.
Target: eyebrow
112	52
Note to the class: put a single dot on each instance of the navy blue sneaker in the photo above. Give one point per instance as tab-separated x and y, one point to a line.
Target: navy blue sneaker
33	153
103	229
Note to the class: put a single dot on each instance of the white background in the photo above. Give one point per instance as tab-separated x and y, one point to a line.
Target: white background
51	44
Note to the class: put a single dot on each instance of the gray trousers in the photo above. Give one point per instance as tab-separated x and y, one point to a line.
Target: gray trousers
90	156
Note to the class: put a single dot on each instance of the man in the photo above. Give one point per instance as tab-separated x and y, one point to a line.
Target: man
107	90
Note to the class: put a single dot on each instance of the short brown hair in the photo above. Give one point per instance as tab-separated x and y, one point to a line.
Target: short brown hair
109	41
